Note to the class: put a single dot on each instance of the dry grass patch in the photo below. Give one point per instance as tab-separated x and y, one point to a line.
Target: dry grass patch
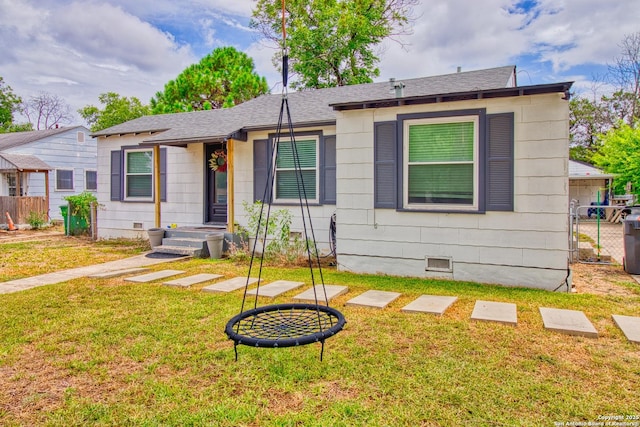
108	352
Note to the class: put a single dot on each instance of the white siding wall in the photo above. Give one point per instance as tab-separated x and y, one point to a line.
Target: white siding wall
65	152
321	214
527	247
185	194
185	191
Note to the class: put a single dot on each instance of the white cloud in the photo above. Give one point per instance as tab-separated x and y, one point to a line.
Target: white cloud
79	49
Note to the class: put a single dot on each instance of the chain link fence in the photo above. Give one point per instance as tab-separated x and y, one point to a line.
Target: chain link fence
597	234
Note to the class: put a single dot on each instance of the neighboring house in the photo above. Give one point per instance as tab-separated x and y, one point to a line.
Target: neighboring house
588	184
462	176
70	153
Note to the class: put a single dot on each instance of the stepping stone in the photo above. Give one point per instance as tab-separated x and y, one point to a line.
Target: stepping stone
110	274
156	275
332	291
434	304
630	326
276	288
570	322
501	312
230	285
375	299
185	282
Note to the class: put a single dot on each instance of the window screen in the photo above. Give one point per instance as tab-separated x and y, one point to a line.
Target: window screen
441	163
286	181
64	179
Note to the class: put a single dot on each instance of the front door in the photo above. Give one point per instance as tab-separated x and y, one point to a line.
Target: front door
216	166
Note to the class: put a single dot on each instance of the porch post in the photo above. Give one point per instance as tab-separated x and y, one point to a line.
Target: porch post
46	193
156	177
230	191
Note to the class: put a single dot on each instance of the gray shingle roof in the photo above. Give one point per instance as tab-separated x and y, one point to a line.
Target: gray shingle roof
23	162
586	171
307	107
16	139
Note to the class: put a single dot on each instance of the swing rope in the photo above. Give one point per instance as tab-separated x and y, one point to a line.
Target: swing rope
285	325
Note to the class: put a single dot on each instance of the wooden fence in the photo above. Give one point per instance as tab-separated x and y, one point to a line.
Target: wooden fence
20	207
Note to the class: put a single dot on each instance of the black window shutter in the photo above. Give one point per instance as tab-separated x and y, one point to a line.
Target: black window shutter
260	170
329	171
116	175
499	165
163	174
385	164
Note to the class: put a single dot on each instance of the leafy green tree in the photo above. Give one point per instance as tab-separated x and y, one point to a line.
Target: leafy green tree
620	155
332	42
9	104
587	120
222	79
117	109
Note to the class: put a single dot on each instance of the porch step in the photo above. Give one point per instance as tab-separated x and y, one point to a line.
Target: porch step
181	250
191	242
186	241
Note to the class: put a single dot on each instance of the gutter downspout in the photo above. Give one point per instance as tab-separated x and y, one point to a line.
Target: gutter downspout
156	177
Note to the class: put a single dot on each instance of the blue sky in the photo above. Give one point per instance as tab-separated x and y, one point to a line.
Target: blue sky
79	49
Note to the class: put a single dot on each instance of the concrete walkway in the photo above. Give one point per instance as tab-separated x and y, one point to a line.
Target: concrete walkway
75	273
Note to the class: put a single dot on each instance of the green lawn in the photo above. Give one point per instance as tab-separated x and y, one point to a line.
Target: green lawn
107	352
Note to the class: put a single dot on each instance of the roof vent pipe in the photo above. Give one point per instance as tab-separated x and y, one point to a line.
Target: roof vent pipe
397	86
459	69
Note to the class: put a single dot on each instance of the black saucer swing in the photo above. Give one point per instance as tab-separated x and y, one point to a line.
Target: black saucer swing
286	325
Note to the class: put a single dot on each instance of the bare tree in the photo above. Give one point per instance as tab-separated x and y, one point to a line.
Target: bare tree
46	110
625	73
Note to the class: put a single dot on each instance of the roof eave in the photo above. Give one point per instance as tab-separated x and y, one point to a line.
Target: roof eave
137	132
562	87
306	124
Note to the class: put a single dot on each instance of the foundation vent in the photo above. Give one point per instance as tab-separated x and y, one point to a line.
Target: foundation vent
137	226
442	264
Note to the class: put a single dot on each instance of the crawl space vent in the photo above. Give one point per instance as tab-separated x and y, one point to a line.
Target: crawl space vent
439	264
137	226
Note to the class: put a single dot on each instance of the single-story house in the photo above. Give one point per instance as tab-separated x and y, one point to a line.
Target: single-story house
69	155
462	176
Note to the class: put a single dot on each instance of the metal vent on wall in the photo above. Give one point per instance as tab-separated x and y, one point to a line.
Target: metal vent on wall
137	225
442	264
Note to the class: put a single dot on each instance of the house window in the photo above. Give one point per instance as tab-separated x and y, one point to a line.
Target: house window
458	161
286	184
91	180
138	178
131	175
12	184
64	179
441	163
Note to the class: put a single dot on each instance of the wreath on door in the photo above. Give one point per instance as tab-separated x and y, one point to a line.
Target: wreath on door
218	161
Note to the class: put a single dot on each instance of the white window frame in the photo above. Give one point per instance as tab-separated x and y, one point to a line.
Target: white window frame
476	174
315	200
86	185
126	175
73	180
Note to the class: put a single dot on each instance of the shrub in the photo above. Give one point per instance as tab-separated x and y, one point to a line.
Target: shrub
37	220
80	204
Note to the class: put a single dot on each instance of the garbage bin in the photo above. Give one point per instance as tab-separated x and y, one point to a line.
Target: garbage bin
64	209
632	240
